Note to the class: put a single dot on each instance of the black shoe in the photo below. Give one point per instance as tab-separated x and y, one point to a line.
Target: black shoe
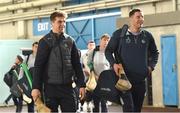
5	103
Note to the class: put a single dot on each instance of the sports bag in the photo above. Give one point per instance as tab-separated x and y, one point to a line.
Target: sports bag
91	83
15	90
8	79
106	86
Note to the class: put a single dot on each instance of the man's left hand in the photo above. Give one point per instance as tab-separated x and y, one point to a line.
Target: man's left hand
82	93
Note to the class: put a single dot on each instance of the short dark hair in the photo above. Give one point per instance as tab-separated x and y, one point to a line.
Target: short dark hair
35	43
58	14
105	36
133	11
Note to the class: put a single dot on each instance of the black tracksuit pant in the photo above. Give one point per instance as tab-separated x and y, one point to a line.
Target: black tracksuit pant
61	95
134	98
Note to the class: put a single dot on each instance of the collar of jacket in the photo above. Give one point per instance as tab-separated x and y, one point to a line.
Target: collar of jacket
56	35
129	32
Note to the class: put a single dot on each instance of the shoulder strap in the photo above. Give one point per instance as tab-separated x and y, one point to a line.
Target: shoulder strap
90	64
94	51
93	54
27	73
27	59
15	73
124	30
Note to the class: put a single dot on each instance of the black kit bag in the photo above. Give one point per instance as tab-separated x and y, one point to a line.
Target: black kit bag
8	78
106	86
15	90
25	83
21	88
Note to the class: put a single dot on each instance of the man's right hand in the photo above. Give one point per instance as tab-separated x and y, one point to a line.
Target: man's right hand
117	67
35	94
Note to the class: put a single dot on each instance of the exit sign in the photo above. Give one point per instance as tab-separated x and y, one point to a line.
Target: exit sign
41	26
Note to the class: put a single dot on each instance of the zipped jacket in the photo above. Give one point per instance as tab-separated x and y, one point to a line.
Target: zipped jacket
137	53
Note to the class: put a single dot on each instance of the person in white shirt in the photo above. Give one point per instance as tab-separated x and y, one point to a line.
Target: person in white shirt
30	63
97	62
31	57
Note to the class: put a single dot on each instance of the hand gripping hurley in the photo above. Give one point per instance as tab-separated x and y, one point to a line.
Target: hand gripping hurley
41	108
123	83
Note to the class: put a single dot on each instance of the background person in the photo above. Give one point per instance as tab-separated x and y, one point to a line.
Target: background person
97	62
30	63
90	46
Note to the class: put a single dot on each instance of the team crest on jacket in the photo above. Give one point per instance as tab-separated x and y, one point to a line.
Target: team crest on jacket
143	41
128	40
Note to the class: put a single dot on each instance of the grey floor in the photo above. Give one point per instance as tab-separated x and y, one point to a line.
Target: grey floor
11	108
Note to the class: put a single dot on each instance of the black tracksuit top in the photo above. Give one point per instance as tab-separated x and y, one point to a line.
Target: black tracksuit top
137	53
41	64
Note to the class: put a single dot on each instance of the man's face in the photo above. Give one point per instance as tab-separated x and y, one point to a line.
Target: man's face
103	42
91	46
137	20
34	48
58	25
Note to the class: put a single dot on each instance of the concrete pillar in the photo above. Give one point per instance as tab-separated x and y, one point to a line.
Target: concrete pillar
125	11
21	30
174	2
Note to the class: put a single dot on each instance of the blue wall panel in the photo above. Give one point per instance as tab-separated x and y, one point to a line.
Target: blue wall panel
80	31
91	29
104	25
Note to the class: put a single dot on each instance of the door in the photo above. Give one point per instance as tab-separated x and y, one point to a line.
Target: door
169	71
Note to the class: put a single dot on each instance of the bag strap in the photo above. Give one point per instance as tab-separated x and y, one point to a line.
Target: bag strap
90	65
15	73
27	58
124	30
27	73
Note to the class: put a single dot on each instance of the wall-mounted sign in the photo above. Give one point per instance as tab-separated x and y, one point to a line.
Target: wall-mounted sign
41	26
